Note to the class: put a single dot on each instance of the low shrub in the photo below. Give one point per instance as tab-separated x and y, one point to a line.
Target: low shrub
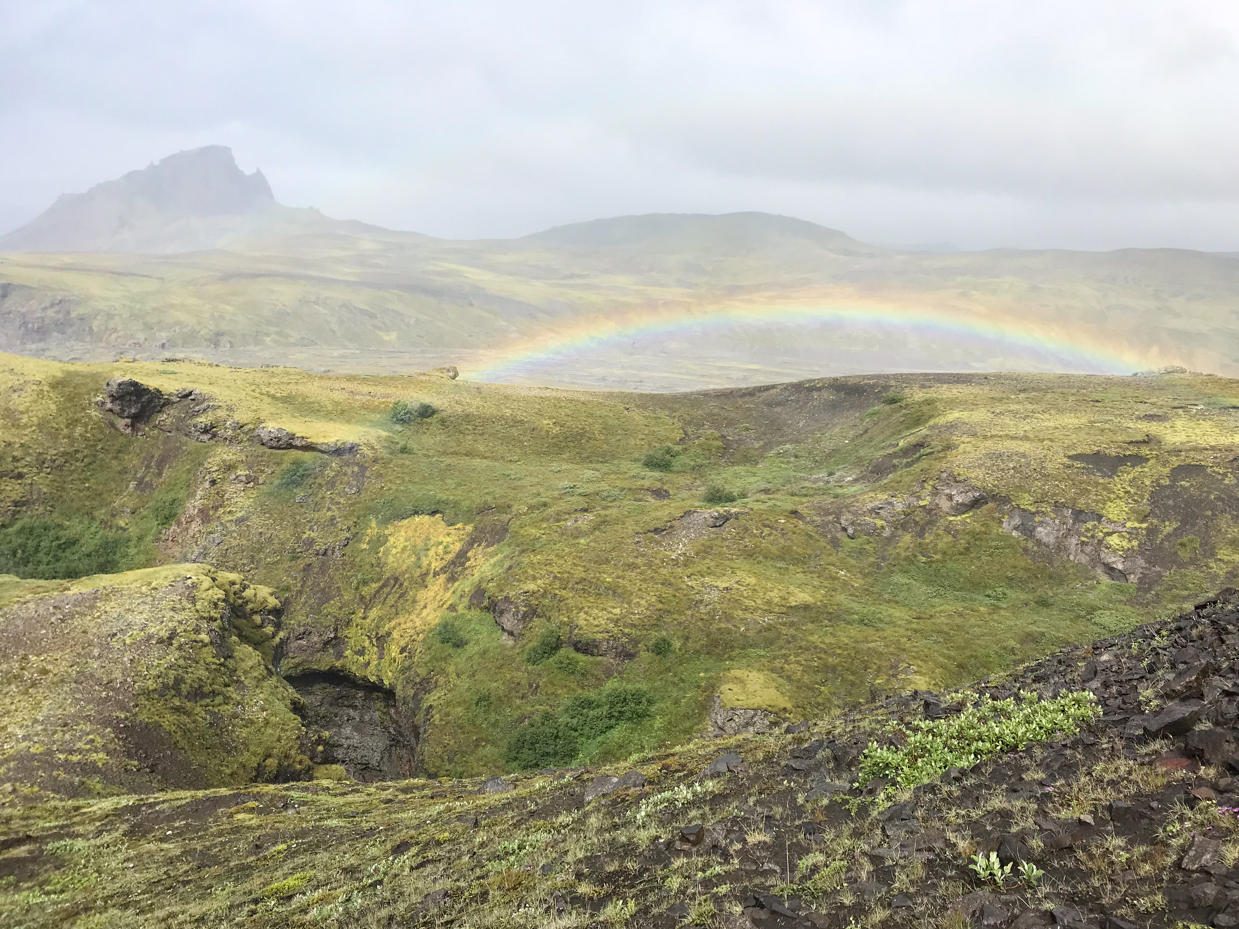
403	412
294	474
48	550
982	730
546	645
448	632
661	459
555	739
662	646
715	495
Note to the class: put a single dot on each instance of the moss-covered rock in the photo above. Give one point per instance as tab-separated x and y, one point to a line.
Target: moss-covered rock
141	681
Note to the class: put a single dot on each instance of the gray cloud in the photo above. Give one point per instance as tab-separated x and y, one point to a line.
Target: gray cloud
987	123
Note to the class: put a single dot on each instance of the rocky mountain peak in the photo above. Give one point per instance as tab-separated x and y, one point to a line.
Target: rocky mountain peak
185	201
200	182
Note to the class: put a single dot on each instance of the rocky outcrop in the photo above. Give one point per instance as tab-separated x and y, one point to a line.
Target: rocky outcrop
1072	533
511	616
732	720
280	439
168	677
132	403
955	497
359	726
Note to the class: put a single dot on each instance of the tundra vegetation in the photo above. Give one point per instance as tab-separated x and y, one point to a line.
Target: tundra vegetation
209	596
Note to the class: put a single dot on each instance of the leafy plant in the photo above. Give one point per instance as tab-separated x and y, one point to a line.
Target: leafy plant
661	459
989	869
714	495
403	412
894	397
980	731
1030	874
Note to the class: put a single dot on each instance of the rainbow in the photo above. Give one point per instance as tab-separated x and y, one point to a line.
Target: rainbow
1079	352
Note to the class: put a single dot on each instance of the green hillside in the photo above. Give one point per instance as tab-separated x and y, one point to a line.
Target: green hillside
343	296
524	578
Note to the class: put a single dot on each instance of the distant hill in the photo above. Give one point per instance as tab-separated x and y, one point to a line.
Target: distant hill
194	256
727	233
189	201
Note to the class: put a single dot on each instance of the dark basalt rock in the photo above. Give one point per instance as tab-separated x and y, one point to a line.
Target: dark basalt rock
279	439
131	402
366	731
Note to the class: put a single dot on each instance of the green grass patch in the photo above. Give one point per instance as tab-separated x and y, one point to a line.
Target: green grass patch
46	549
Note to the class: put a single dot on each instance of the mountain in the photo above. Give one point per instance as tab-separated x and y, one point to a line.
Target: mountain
194	257
285	649
189	201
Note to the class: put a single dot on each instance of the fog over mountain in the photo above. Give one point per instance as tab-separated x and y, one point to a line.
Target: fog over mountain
994	124
194	255
186	202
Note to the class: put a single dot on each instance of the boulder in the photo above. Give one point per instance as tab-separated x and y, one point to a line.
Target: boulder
605	784
1212	746
955	497
724	764
131	402
495	785
1176	719
1204	855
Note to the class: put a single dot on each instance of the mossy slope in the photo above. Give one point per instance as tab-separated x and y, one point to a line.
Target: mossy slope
842	569
152	679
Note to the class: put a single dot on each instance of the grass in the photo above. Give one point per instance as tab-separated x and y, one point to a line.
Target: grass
544	497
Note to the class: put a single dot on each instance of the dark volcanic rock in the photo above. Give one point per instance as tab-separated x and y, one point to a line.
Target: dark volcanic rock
131	402
1176	719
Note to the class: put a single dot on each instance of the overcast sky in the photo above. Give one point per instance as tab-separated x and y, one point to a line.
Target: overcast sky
1091	124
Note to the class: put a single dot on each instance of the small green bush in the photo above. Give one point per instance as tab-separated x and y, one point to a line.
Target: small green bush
894	397
566	661
448	632
48	550
982	730
715	495
403	412
661	459
556	739
545	742
547	645
294	474
164	508
662	646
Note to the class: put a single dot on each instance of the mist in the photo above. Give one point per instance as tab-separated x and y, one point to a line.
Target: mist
992	124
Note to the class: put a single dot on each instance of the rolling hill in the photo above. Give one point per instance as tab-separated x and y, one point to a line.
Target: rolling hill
193	257
256	625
